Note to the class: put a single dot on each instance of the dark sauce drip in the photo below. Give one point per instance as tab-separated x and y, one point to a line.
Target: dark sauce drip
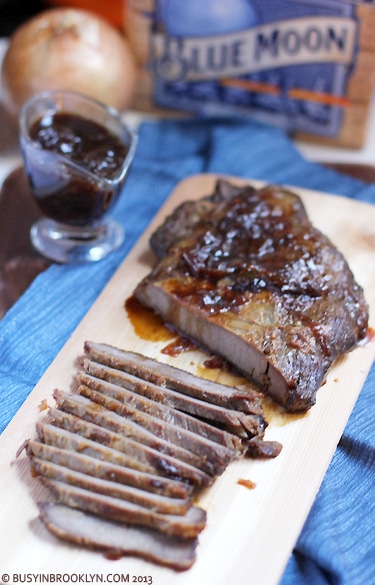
150	326
113	554
78	200
178	346
216	363
147	324
248	483
368	338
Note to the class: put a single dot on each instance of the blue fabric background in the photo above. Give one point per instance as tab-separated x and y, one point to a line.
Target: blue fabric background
337	543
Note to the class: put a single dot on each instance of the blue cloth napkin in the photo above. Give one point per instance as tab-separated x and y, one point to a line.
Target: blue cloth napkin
337	543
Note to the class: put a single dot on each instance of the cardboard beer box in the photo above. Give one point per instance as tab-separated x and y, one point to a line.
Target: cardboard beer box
307	66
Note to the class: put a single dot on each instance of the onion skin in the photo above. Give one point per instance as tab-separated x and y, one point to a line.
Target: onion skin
68	49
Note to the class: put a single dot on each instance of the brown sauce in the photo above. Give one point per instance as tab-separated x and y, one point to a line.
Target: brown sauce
147	324
113	555
250	485
150	327
43	405
215	362
369	337
178	346
76	200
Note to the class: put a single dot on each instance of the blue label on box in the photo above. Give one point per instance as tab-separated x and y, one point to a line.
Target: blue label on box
285	61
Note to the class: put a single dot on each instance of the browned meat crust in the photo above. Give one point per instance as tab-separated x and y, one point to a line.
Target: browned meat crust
245	274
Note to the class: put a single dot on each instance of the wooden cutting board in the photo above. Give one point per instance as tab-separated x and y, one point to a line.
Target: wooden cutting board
249	531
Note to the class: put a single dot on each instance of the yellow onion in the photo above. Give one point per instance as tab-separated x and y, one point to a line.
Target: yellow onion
71	49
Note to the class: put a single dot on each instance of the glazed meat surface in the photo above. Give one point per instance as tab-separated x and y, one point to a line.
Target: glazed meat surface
245	274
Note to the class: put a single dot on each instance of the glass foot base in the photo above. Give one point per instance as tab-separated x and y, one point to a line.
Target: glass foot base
76	245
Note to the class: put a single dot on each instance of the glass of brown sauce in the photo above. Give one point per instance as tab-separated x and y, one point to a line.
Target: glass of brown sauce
77	153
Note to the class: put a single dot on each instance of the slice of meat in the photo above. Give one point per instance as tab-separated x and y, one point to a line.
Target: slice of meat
131	453
263	449
91	531
164	464
99	468
156	502
168	376
141	458
63	439
236	422
254	282
95	412
190	428
202	453
163	411
187	526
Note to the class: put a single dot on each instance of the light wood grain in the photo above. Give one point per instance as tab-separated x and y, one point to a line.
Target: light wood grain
249	532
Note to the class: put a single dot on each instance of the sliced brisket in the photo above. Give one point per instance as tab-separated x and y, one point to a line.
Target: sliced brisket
94	532
188	525
166	458
156	502
173	404
102	469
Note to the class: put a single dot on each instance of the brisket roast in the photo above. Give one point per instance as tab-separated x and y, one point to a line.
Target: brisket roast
244	273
